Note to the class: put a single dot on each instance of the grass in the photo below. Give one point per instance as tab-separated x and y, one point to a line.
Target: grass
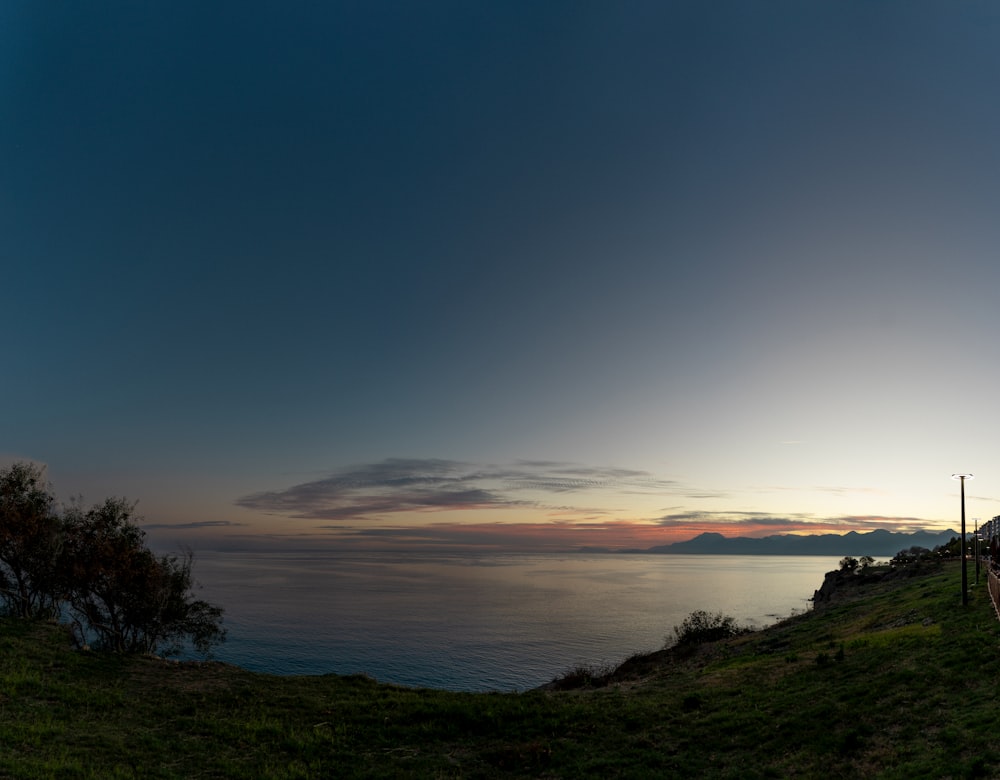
893	680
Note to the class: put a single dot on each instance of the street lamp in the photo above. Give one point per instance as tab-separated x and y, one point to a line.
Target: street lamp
965	576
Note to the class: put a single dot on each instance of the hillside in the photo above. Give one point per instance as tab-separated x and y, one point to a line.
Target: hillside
881	543
892	679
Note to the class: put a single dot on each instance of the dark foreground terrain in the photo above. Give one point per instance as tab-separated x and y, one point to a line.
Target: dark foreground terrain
890	679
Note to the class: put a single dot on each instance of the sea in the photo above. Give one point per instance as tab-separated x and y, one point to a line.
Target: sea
490	622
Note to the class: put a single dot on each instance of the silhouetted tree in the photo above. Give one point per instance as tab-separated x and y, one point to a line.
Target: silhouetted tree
30	538
951	549
848	563
907	556
124	597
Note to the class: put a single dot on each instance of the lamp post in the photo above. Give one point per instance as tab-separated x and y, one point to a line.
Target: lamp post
965	575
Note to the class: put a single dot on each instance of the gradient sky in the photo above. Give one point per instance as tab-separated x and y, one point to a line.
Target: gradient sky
516	274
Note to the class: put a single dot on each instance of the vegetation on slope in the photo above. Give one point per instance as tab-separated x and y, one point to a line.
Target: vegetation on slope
892	679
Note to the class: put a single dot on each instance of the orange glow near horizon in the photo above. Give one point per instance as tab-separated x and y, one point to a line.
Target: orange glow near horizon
525	536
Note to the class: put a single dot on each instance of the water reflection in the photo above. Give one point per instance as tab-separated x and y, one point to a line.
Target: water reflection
504	622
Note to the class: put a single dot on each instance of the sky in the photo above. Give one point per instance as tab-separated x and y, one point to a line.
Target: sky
449	275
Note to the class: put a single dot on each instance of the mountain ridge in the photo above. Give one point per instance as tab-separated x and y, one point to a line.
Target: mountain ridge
875	543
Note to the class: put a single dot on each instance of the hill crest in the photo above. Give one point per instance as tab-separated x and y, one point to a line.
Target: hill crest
875	543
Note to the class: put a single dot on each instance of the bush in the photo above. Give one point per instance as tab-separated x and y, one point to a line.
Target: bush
700	627
584	676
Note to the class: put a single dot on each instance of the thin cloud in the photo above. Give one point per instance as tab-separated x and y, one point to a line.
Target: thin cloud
705	494
555	477
732	518
422	485
383	488
199	524
835	489
848	490
881	522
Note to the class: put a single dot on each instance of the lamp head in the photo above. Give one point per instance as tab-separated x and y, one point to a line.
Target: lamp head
962	477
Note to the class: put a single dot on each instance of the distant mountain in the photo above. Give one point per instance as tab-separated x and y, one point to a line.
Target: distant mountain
874	543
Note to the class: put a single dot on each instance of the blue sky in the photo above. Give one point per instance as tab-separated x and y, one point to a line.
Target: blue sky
534	274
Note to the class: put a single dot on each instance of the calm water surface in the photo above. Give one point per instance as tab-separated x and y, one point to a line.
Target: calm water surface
475	623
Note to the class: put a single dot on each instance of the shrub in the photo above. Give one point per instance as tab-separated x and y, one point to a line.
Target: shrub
583	676
700	627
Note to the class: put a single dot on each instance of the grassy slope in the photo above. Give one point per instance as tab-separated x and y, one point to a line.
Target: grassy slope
897	681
